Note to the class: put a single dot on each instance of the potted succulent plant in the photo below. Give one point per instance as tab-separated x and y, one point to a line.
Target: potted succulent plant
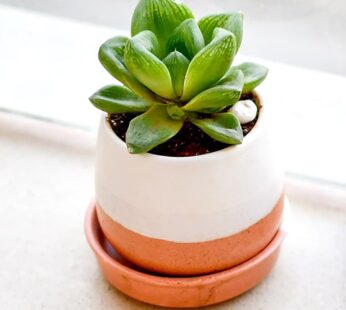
186	180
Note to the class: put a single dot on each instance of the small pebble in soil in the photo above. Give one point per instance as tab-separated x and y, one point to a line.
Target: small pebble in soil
245	111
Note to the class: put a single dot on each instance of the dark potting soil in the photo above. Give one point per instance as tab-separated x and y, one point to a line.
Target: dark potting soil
189	141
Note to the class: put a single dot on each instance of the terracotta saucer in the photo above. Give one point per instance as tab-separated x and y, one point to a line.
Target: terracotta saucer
178	292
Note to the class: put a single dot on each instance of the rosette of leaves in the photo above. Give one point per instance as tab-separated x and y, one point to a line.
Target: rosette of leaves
174	69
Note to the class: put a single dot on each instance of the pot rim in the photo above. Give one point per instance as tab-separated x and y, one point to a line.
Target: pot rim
248	140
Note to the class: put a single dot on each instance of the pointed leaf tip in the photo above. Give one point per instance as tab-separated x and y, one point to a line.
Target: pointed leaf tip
111	56
148	68
177	65
149	41
130	149
160	17
118	99
187	38
223	127
175	112
151	129
233	76
232	22
226	93
210	64
254	75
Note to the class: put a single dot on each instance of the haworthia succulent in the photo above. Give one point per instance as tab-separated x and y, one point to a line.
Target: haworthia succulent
176	70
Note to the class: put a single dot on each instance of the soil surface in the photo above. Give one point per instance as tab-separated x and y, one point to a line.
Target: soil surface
190	140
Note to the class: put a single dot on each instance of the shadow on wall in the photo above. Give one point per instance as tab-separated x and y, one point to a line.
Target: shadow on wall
310	33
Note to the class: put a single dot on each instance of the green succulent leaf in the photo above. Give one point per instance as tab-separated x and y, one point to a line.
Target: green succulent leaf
254	75
210	64
176	112
118	99
151	129
149	41
232	22
232	75
218	97
148	68
223	127
177	65
187	38
111	56
160	17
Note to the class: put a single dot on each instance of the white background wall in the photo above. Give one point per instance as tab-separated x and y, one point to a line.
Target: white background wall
309	33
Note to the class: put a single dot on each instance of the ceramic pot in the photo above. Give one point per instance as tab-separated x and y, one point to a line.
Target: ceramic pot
189	215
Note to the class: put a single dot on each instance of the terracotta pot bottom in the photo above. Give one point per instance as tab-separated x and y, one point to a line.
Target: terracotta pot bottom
178	292
192	258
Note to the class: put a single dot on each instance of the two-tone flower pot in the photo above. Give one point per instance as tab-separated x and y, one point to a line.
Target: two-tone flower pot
191	215
189	198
